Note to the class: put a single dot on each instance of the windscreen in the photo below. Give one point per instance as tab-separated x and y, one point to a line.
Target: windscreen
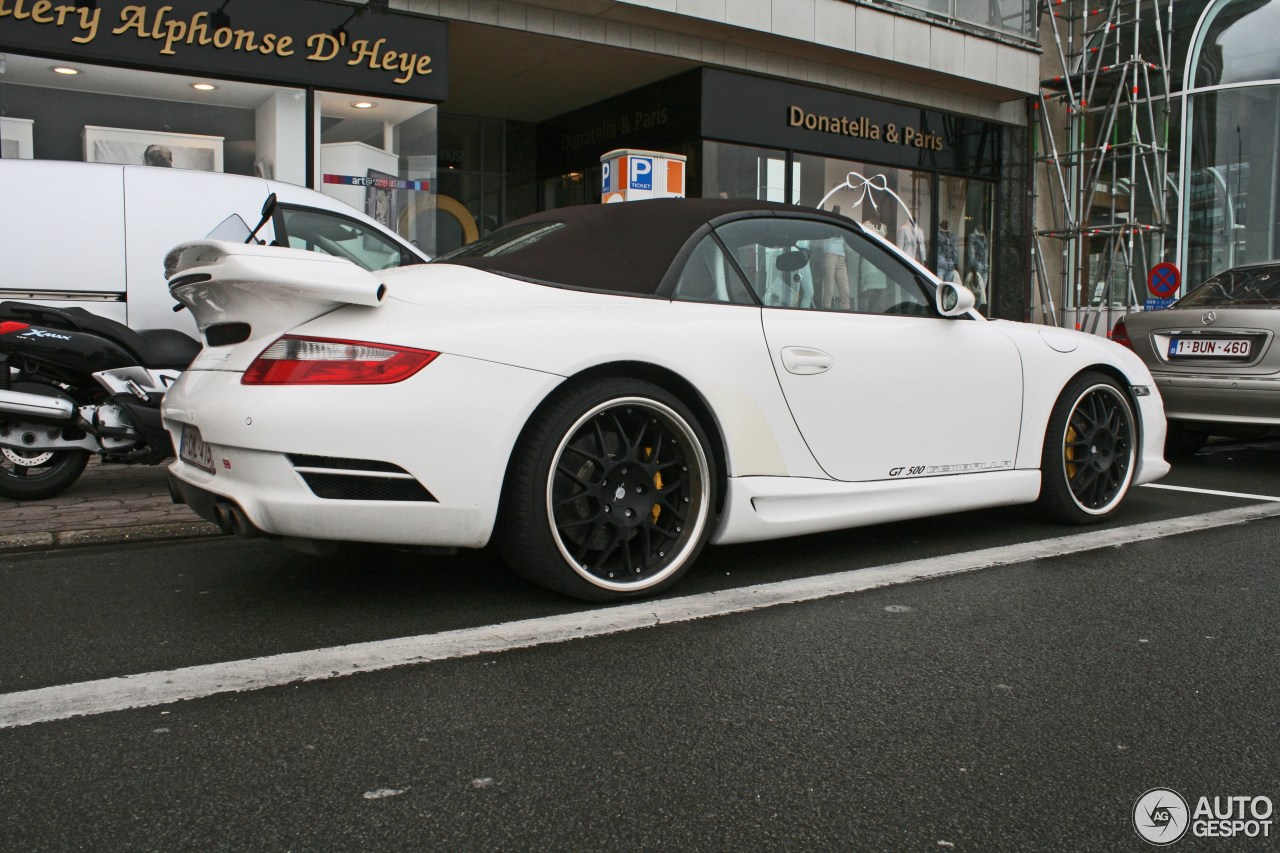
1243	286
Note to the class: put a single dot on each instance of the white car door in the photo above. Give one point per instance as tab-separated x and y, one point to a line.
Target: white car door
879	384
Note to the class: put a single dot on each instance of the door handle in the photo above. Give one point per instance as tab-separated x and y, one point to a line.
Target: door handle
806	361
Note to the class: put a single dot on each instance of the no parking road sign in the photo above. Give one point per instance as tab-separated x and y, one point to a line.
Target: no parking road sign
1164	280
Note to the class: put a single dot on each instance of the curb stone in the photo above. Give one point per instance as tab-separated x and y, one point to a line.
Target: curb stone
25	542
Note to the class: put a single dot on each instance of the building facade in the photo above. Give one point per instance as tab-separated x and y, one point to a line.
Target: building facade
447	118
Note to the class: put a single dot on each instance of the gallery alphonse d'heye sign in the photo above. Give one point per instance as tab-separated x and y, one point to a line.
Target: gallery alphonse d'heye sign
349	47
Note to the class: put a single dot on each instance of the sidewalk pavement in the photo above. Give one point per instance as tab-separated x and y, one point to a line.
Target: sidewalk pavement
108	504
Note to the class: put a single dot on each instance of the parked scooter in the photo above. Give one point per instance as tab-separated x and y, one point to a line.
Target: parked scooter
83	384
73	383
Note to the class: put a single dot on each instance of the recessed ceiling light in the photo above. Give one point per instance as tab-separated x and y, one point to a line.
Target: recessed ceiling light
363	105
62	69
204	87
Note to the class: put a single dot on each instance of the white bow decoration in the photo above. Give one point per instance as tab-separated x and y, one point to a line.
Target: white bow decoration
861	184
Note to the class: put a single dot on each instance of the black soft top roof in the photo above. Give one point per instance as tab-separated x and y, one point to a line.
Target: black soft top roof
626	247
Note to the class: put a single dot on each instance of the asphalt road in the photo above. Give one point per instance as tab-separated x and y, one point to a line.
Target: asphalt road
1021	707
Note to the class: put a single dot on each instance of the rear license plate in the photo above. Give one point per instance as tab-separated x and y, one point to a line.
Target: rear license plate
1210	347
194	450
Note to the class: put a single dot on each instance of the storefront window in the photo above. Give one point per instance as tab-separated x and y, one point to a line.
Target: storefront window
894	203
378	155
741	171
1232	181
112	115
966	217
570	189
472	180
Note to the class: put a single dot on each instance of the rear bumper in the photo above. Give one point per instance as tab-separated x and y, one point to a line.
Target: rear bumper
1227	399
418	463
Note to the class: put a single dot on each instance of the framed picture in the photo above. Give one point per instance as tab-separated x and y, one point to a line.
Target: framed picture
152	148
15	138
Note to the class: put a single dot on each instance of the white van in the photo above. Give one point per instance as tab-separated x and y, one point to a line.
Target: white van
95	235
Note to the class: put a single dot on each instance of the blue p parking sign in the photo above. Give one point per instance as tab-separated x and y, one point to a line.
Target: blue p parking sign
641	177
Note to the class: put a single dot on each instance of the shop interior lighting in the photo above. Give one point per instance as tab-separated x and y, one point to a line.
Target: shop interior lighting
204	87
62	69
363	105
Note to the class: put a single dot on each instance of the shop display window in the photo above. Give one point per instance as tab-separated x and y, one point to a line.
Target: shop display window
1232	177
379	156
893	203
743	171
116	115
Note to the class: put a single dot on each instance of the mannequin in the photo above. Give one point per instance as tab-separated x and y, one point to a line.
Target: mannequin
835	273
911	240
948	254
871	280
976	281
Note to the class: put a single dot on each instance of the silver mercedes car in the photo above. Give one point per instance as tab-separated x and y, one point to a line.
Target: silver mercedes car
1212	356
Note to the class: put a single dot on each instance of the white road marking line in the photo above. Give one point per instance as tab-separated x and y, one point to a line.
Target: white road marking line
1214	492
160	688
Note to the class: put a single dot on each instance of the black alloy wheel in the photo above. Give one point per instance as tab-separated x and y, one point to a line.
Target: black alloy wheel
29	475
610	493
1090	451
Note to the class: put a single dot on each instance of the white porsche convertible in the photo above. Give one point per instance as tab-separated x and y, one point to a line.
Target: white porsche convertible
604	390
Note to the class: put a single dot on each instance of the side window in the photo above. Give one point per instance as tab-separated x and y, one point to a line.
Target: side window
802	263
333	234
708	277
879	283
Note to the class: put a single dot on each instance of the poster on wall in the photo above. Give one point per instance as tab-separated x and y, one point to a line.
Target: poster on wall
380	199
152	148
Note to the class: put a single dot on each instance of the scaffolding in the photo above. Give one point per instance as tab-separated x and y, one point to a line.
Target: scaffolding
1102	161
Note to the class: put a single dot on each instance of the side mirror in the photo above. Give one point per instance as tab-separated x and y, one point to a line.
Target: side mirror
268	209
953	300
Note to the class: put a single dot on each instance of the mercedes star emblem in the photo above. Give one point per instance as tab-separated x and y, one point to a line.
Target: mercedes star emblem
1208	317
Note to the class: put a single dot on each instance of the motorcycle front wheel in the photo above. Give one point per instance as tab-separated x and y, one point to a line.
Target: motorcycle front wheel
30	475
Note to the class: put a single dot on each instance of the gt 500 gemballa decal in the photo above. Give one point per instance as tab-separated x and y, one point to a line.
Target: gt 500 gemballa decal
963	468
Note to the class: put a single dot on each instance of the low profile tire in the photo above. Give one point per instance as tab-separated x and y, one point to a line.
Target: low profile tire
610	492
1182	440
34	475
1090	450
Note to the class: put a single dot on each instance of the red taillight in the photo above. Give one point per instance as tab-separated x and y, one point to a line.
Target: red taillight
12	326
294	360
1120	334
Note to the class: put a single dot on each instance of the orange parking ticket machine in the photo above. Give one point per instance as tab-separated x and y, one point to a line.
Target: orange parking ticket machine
634	175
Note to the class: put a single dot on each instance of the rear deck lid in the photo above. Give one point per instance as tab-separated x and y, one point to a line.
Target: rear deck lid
242	293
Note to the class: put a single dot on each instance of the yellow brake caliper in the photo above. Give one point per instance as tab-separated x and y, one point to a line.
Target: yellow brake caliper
657	485
1071	452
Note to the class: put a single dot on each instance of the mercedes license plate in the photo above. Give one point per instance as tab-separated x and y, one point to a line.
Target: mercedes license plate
194	450
1210	347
